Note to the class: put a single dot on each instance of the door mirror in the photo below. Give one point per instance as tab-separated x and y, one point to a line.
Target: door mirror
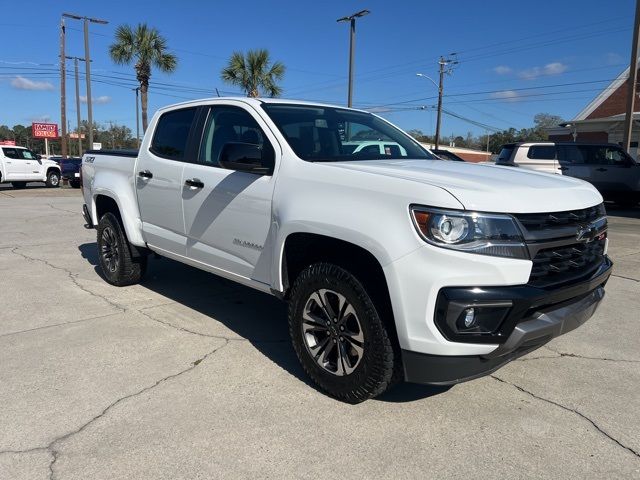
244	157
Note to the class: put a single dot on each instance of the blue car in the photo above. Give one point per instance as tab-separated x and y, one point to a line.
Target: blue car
70	169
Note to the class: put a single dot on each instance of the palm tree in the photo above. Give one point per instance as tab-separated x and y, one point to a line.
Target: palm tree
147	48
254	72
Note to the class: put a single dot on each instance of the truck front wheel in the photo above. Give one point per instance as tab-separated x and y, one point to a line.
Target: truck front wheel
118	265
338	335
53	179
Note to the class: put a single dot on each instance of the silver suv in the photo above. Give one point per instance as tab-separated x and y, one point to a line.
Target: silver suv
607	166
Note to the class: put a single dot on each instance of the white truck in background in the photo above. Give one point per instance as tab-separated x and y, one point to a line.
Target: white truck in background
20	165
396	265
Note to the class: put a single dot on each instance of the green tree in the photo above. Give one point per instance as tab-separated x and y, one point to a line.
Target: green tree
254	73
147	48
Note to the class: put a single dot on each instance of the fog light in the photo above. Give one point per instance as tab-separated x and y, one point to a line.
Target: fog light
469	317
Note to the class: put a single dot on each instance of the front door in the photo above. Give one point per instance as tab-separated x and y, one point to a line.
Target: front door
612	171
158	179
227	213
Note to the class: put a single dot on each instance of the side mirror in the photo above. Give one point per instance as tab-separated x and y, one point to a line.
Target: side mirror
244	157
38	156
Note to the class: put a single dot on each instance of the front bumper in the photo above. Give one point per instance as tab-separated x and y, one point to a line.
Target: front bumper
548	314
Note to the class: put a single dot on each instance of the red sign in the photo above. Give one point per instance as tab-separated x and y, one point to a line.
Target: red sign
8	142
44	130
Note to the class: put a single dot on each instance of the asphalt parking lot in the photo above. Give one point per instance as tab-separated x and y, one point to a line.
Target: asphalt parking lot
191	376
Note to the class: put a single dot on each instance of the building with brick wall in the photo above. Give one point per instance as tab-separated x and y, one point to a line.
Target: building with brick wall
602	120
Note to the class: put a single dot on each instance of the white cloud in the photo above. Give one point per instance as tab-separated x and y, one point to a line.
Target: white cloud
506	95
40	118
379	110
554	68
101	100
22	83
613	59
502	70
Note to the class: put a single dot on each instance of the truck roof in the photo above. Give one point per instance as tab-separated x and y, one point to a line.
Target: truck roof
254	102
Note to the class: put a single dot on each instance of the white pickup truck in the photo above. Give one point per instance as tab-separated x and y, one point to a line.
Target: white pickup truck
395	265
20	165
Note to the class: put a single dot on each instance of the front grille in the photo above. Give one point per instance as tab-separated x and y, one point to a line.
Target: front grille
559	265
537	222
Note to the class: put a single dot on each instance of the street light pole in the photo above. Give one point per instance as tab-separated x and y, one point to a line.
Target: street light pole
63	93
352	40
75	66
87	61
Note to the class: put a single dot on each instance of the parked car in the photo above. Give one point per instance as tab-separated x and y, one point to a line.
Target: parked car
607	166
447	155
20	165
69	169
405	267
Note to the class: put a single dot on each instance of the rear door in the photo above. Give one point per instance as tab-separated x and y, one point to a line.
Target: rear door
16	167
158	180
227	213
572	161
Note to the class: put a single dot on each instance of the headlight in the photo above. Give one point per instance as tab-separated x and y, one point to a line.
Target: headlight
473	232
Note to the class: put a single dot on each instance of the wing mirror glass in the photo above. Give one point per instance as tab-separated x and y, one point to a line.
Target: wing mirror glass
244	157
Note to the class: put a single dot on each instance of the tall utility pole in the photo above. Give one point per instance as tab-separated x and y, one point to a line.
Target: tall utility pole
87	61
442	63
75	66
63	93
137	89
633	78
352	40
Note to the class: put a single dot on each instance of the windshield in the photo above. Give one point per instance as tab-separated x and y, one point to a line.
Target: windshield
327	134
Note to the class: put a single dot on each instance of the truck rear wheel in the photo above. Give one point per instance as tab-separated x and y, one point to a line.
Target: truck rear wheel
338	335
118	265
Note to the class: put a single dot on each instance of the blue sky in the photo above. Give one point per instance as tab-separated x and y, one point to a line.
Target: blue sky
511	54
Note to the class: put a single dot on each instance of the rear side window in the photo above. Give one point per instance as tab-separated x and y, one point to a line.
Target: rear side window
505	154
172	132
542	152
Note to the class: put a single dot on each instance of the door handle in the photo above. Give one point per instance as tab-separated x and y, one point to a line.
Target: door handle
601	169
194	182
145	174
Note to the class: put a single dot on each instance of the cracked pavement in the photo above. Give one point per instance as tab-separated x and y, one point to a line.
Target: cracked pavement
191	376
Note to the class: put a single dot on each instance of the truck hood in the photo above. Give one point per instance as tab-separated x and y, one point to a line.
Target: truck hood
487	187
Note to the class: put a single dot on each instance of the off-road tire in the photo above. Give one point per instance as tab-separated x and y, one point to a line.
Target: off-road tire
374	373
53	179
74	184
127	270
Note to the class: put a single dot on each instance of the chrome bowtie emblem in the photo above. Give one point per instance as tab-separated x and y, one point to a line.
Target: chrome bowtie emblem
587	233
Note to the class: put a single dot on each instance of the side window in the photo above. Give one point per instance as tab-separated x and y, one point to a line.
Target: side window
226	124
542	152
596	155
11	153
392	150
370	149
571	154
172	131
616	156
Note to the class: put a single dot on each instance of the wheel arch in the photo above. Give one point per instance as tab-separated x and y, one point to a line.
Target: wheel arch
105	201
302	249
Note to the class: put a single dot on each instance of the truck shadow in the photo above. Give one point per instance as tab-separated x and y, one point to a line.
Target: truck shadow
259	318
